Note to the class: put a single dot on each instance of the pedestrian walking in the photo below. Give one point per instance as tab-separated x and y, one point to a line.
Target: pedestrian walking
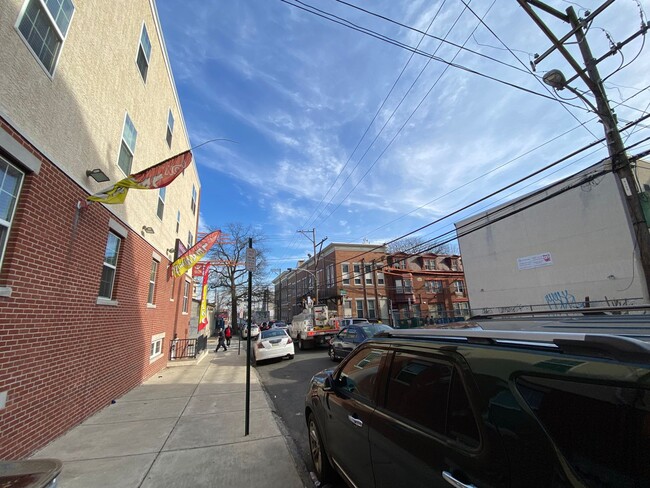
228	334
222	341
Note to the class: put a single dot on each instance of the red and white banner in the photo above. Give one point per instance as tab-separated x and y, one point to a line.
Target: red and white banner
194	254
157	176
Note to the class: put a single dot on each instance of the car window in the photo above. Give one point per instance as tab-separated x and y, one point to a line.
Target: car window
273	333
358	377
430	394
602	430
373	329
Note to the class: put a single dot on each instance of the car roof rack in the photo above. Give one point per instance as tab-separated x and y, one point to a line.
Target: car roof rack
608	346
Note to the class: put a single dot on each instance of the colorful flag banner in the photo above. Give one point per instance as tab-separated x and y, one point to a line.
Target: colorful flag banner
203	311
157	176
194	254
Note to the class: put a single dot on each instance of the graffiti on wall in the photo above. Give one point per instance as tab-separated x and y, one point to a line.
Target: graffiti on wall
562	300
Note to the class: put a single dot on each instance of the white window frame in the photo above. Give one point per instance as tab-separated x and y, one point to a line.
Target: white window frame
125	143
368	274
6	224
356	271
186	296
151	296
156	349
190	239
178	221
459	286
193	202
112	266
160	210
380	278
147	55
169	135
358	310
55	29
345	273
430	264
372	309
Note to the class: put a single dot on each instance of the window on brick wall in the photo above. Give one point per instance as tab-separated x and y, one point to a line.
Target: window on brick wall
156	345
345	273
11	180
144	53
109	269
357	273
186	296
368	274
152	282
380	278
372	312
44	26
359	308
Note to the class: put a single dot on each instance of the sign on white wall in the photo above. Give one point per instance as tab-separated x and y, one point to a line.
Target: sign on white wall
535	261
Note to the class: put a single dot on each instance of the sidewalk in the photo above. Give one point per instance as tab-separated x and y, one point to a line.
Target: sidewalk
184	427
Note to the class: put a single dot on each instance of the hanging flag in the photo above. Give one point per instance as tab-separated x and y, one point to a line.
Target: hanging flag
157	176
203	311
194	254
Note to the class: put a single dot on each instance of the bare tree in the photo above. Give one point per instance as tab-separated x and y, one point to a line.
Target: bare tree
229	258
418	245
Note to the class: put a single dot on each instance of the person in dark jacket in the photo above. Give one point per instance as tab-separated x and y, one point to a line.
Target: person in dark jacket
222	341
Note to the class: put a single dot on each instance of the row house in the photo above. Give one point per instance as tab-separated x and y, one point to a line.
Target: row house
363	280
88	308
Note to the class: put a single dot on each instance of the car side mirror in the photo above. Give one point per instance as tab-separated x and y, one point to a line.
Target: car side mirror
328	383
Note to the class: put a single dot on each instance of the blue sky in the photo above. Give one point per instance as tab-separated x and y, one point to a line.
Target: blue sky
399	140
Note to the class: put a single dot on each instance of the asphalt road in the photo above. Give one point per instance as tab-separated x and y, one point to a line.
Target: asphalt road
286	382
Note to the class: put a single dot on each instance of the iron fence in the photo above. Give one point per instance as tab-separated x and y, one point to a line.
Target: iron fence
187	348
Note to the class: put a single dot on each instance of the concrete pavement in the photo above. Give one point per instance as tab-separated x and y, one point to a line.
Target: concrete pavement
184	427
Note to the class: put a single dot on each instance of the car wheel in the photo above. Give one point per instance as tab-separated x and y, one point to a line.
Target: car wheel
322	466
331	353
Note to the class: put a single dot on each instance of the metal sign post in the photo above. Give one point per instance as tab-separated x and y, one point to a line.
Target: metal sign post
250	266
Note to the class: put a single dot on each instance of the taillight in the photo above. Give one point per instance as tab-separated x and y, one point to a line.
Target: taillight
260	345
289	341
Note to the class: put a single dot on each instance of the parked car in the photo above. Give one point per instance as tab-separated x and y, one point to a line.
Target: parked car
497	408
273	343
280	325
351	336
255	331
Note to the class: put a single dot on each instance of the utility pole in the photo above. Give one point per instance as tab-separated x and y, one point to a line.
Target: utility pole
316	255
591	77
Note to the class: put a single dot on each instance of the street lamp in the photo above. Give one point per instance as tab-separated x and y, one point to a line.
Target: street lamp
556	79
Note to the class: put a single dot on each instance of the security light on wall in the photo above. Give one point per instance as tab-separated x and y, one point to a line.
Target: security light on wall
147	230
97	174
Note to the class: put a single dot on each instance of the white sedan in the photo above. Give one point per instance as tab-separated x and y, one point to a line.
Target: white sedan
255	330
273	343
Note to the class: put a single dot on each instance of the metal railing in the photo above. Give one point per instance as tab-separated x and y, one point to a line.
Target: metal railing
187	348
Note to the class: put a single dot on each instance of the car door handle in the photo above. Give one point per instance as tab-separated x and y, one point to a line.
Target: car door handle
449	478
355	421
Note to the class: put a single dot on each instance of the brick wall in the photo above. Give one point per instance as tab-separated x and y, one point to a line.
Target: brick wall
62	356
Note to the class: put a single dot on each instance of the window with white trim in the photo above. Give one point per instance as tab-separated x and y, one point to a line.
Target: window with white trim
368	274
461	309
345	273
11	180
44	26
156	345
193	203
127	146
403	286
144	53
380	278
433	286
160	211
359	308
178	221
430	264
372	312
186	296
459	286
357	273
109	269
330	276
170	128
347	308
152	282
190	239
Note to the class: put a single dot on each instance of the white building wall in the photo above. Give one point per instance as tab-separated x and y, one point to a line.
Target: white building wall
586	234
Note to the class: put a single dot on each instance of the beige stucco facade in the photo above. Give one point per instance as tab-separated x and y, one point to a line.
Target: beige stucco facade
76	115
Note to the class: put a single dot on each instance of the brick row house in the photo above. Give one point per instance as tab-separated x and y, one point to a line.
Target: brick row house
87	306
363	280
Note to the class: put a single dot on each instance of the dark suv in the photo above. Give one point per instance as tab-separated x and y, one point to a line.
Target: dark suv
485	408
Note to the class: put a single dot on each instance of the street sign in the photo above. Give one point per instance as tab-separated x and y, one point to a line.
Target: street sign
251	254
